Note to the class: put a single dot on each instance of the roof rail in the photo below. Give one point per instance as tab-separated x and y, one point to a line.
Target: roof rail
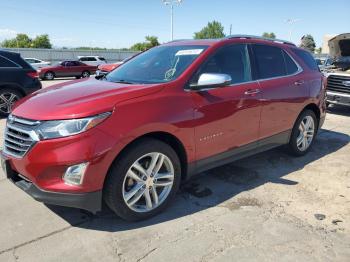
260	38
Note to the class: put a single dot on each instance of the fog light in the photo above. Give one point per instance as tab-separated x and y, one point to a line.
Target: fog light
75	174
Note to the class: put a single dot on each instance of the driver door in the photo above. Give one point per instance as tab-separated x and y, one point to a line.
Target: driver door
227	117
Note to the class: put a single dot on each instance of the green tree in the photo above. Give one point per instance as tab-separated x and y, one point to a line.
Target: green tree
319	50
308	43
41	41
24	41
269	35
150	42
211	30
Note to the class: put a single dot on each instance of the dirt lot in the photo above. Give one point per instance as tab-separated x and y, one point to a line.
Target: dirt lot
269	207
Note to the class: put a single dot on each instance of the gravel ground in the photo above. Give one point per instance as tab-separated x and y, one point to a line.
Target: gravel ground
267	207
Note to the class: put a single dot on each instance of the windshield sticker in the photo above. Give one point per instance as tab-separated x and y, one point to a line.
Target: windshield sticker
189	52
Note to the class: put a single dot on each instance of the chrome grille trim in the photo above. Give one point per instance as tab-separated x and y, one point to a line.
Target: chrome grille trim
336	83
20	136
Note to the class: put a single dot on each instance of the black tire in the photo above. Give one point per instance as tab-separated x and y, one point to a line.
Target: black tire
5	95
49	75
292	145
85	74
113	187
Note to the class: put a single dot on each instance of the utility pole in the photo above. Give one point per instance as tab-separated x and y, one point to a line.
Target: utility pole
171	3
291	22
230	29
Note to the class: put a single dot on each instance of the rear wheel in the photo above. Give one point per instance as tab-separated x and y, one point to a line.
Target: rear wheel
303	133
49	75
143	181
7	98
85	74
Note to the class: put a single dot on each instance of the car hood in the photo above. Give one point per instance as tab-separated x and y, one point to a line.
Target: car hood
339	46
76	99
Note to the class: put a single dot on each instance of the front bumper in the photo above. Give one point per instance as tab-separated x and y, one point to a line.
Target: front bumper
338	98
91	201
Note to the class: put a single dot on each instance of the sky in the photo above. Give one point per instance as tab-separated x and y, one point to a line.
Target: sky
121	23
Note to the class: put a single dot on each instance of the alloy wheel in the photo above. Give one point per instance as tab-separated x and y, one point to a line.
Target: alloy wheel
306	133
148	182
6	102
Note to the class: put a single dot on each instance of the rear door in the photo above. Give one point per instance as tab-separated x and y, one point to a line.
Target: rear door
228	117
283	89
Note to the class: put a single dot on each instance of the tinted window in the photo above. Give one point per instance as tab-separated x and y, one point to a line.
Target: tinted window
83	59
291	67
269	61
91	59
101	58
4	62
232	60
307	58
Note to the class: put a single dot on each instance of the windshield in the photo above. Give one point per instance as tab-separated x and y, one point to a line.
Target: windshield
158	65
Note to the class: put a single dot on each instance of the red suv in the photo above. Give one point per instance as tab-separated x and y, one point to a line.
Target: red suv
131	137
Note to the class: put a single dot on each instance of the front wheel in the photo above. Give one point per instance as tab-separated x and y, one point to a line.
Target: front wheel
143	181
303	133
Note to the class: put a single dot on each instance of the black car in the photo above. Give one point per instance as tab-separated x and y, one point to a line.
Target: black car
17	79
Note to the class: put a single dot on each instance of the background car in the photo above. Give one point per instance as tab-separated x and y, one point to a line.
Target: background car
37	63
92	60
106	68
17	79
67	69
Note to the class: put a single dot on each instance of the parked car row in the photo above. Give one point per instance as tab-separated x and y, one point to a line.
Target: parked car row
130	138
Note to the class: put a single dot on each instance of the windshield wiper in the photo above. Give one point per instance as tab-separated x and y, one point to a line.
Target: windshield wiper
122	81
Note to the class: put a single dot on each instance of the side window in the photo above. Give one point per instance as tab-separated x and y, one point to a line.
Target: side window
307	58
269	61
291	67
82	59
92	59
232	60
4	62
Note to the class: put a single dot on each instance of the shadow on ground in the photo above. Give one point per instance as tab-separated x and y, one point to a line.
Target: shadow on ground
339	110
214	187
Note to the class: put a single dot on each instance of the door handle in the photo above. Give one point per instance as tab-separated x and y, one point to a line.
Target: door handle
252	91
299	82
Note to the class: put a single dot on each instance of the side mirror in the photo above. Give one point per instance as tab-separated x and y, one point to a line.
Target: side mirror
211	80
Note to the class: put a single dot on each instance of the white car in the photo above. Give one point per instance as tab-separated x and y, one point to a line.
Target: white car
37	63
92	60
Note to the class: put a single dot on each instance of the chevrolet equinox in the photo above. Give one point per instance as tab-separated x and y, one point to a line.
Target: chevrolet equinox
130	137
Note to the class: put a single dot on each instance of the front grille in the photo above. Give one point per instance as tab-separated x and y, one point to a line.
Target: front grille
19	136
339	83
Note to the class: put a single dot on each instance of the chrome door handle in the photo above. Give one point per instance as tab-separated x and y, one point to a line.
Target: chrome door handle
299	82
252	91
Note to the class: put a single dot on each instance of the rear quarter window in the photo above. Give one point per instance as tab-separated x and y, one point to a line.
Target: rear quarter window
6	63
307	58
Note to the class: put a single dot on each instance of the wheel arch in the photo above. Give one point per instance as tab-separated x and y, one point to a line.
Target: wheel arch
166	137
13	86
313	107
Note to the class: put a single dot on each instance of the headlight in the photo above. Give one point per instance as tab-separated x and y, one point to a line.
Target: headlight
63	128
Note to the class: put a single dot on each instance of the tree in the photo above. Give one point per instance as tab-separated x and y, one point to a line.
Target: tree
24	41
41	41
150	42
211	30
308	43
319	50
269	35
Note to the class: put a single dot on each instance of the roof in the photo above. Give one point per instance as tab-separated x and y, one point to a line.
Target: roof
210	42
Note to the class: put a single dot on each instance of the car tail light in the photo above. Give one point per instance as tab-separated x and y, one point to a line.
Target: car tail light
33	74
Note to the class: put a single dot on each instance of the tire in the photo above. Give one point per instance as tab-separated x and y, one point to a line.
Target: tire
49	75
307	138
85	74
119	185
7	98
